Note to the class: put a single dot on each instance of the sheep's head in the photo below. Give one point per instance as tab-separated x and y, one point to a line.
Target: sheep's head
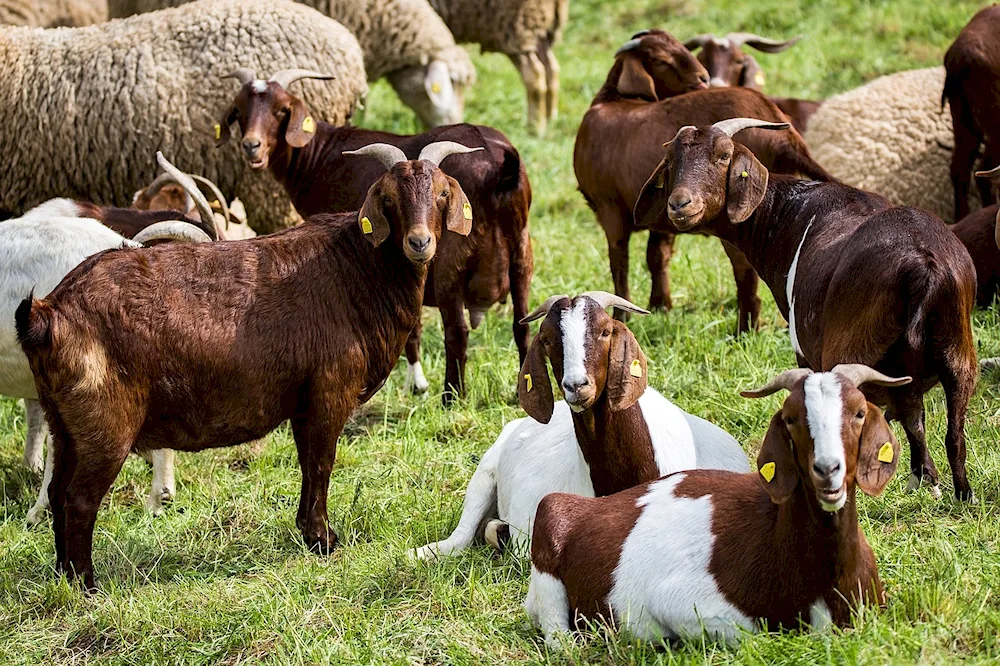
653	65
414	201
726	62
436	91
827	436
591	354
268	115
703	176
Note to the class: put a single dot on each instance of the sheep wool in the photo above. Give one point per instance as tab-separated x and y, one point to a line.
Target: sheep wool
94	104
892	137
53	13
505	26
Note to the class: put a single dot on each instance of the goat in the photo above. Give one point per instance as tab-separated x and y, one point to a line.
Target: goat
729	65
611	432
858	279
613	155
709	551
201	346
972	73
978	232
474	271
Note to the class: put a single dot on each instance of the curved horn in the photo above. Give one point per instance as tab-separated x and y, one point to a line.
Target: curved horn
437	151
606	300
699	41
175	230
859	374
733	125
244	75
785	380
385	153
185	181
678	134
628	46
158	183
992	173
544	308
287	77
215	193
762	44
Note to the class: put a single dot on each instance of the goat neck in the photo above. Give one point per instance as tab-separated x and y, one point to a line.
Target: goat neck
295	168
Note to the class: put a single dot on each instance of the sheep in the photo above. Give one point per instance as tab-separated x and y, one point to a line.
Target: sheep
304	324
890	137
523	30
472	272
610	433
972	65
709	552
728	65
53	13
614	155
100	99
857	278
404	41
36	251
978	232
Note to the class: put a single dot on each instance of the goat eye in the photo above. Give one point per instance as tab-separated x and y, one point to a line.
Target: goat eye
444	194
860	414
606	333
725	157
789	421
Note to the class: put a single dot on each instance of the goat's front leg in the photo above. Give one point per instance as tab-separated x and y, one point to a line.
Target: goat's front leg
415	381
618	232
659	251
547	604
747	301
910	410
162	490
456	343
34	442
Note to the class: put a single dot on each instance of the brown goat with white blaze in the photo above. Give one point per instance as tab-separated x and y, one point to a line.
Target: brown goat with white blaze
215	345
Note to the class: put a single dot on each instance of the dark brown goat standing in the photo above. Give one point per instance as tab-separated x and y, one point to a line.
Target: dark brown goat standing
200	346
978	233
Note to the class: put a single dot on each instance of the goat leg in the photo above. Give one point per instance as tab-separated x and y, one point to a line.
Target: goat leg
456	343
659	252
415	381
748	303
316	438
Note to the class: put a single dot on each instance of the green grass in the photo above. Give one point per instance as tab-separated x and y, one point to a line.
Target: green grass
223	577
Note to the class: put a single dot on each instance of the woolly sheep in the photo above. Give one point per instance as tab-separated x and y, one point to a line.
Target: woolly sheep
93	103
403	40
53	13
892	137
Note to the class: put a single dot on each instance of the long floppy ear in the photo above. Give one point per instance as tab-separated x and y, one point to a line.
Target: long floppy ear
301	126
371	219
747	184
635	81
626	369
752	75
534	391
652	202
776	462
459	214
222	129
878	455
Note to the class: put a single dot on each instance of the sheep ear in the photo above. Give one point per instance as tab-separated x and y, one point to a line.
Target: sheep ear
635	81
459	214
747	184
222	129
776	462
371	219
626	369
878	455
534	391
652	202
752	75
301	126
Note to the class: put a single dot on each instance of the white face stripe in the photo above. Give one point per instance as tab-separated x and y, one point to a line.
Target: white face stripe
825	416
789	293
259	86
574	330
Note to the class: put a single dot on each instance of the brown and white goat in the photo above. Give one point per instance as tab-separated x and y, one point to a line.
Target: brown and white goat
202	346
614	155
719	553
469	272
858	279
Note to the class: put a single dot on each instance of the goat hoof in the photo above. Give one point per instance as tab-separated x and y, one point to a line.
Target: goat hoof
423	554
322	544
35	516
157	501
415	381
916	481
966	496
497	534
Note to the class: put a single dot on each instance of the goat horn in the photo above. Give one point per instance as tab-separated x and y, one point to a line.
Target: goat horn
158	184
437	151
385	153
628	46
762	44
992	173
698	41
215	193
244	75
544	308
287	77
175	230
678	134
606	300
185	181
859	374
733	125
785	380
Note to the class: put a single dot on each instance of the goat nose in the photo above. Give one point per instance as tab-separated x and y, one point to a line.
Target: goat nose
826	469
251	145
575	384
704	78
679	203
418	244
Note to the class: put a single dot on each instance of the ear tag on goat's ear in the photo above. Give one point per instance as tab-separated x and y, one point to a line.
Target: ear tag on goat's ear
218	132
767	471
758	78
308	125
886	454
366	225
467	211
744	175
635	369
527	381
435	87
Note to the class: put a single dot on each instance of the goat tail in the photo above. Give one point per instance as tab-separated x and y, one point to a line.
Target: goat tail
954	78
510	171
923	285
33	322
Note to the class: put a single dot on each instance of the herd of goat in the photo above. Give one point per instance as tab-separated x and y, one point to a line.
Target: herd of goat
171	325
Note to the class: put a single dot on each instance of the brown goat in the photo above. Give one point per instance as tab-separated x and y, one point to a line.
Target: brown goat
972	76
616	149
978	232
728	65
474	272
199	346
858	279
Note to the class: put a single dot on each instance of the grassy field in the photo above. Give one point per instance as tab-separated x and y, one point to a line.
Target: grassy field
223	576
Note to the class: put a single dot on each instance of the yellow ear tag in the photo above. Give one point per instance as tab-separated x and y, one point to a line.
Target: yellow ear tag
886	454
767	471
467	211
758	78
744	174
218	132
527	381
635	369
308	125
435	88
366	225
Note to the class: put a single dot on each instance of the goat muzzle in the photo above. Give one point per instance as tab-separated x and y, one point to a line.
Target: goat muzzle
253	150
685	209
420	246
